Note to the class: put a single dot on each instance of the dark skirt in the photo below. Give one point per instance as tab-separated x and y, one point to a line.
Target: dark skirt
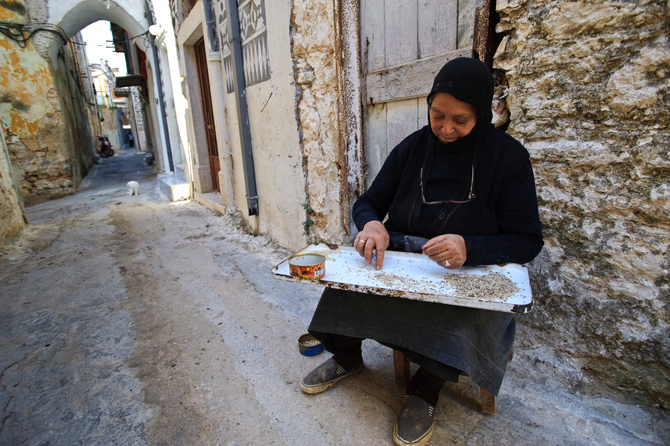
431	335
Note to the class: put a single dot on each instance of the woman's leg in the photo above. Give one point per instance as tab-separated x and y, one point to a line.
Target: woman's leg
416	419
347	350
346	361
427	386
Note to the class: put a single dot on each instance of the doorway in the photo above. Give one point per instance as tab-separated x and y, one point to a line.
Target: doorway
207	112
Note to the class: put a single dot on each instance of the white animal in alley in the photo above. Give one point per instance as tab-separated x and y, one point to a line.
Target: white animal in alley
133	188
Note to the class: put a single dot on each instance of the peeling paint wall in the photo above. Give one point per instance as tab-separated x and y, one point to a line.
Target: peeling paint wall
314	52
11	212
589	96
42	115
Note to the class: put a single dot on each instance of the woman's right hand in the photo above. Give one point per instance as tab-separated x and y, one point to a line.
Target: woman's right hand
373	237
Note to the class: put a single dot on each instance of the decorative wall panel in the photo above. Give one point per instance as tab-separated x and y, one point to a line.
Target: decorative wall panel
253	32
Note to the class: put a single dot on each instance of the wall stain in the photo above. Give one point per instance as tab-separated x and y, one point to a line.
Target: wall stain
15	6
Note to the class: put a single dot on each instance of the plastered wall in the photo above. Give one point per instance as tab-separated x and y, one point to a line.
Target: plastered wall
588	96
271	99
109	127
293	117
278	152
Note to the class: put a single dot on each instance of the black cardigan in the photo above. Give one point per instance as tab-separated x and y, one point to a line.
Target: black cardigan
500	225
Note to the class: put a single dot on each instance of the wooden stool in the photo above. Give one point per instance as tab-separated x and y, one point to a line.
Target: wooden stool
401	365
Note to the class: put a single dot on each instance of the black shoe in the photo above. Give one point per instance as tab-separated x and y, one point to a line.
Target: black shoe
326	375
414	425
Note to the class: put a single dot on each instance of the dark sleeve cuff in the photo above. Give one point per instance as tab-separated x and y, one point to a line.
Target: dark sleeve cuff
497	249
363	214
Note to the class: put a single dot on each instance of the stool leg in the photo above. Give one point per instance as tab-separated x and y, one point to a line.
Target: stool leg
401	366
489	402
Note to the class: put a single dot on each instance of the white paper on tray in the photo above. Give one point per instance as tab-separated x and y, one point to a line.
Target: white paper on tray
415	276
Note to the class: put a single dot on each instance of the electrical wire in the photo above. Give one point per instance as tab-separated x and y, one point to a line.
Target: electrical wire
17	31
115	42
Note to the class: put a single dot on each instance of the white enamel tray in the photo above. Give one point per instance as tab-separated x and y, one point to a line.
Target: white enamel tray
414	276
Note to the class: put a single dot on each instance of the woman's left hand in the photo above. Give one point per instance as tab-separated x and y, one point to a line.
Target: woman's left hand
448	250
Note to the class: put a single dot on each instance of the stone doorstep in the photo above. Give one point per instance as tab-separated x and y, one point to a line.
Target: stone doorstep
173	188
211	201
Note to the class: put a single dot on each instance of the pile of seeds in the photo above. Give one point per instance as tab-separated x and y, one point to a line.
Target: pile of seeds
396	282
492	286
487	286
310	343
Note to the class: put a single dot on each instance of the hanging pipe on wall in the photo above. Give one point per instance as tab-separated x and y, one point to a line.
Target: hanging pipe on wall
242	110
209	17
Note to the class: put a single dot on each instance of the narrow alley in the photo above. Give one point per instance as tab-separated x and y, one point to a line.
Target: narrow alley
134	320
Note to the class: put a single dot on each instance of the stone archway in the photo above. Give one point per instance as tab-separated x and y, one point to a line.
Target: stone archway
74	15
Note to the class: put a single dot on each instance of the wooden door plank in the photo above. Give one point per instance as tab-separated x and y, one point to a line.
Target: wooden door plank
400	28
401	121
375	141
422	111
466	23
438	27
409	80
373	54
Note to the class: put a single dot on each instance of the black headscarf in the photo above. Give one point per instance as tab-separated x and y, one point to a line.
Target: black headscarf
468	80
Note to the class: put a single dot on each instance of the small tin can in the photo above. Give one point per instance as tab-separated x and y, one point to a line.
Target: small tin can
308	266
309	345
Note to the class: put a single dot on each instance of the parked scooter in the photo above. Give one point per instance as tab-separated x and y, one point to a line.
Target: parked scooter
105	147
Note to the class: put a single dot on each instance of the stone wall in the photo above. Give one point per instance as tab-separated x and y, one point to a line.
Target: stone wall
588	96
314	53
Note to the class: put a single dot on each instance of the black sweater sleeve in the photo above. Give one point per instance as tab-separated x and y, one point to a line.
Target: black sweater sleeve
376	201
520	232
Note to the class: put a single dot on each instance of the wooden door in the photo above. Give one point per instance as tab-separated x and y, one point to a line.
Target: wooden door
207	112
403	46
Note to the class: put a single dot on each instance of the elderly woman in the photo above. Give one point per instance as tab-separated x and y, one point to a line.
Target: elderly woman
462	193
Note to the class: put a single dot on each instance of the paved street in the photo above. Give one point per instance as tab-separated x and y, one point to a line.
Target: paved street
130	320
